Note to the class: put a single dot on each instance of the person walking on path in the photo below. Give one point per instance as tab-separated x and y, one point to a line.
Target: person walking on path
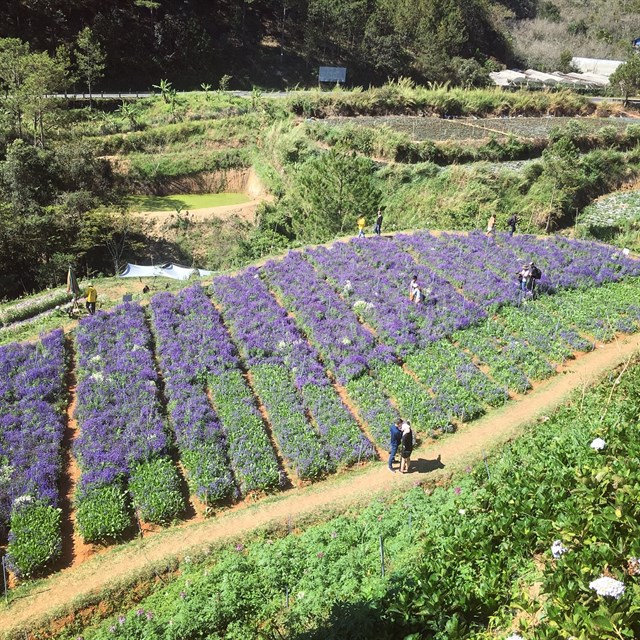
415	295
92	297
361	225
491	225
396	439
407	447
512	222
378	227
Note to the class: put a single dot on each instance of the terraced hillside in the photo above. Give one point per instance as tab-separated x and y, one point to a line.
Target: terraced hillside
282	375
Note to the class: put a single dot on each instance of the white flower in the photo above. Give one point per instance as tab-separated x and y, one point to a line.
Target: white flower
514	636
98	375
346	341
282	344
605	586
598	444
558	549
462	511
22	500
301	594
362	306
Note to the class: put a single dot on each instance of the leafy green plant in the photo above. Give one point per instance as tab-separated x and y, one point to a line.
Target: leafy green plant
155	490
35	540
103	514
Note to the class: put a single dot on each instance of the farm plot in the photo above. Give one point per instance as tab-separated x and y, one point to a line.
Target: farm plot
287	372
212	408
612	210
124	443
32	396
418	128
438	129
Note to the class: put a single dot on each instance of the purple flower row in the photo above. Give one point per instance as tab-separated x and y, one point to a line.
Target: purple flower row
463	261
118	409
376	298
199	434
267	336
198	355
444	311
31	428
346	346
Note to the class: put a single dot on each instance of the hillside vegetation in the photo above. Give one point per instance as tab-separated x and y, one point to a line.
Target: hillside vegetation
67	174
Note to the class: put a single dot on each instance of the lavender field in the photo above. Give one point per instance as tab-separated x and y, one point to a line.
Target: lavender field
285	374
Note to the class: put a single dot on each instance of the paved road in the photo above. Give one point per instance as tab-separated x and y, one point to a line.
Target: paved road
132	95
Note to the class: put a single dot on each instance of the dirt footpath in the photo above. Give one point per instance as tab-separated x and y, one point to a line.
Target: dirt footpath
455	452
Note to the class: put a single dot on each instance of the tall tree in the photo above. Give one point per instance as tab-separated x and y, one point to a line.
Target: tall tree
339	188
626	78
90	59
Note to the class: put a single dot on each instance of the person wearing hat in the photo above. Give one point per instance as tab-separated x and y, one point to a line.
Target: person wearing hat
92	297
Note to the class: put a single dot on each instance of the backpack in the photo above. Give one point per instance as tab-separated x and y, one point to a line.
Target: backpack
536	274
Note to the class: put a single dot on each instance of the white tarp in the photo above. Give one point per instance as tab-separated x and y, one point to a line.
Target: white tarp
596	66
174	271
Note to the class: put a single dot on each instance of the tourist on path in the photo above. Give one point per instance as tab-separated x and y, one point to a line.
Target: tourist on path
92	297
512	222
407	447
396	439
378	227
361	225
491	225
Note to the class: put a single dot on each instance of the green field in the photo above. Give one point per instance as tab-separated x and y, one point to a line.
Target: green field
186	201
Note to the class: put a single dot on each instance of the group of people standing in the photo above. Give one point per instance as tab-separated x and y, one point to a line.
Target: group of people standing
401	439
512	223
362	223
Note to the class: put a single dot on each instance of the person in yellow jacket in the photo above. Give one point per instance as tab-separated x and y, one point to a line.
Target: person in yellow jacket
361	225
92	297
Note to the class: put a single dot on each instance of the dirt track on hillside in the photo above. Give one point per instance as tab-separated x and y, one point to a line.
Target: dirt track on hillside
454	452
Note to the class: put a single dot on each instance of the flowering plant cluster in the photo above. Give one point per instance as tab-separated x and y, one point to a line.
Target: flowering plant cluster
200	360
121	428
444	309
345	345
469	263
461	389
287	370
31	398
32	306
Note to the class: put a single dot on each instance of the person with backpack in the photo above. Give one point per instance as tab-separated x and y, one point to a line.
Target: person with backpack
512	222
534	275
407	447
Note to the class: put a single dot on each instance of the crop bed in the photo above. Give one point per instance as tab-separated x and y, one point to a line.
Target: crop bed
438	129
612	210
288	373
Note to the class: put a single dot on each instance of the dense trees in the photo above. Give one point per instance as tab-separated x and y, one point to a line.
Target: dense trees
259	41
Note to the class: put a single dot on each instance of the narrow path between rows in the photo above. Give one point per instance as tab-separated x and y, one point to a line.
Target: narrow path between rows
431	462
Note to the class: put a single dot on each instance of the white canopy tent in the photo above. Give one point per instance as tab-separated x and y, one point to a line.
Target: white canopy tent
174	271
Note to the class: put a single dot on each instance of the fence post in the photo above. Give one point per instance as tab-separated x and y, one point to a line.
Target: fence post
486	466
4	576
381	556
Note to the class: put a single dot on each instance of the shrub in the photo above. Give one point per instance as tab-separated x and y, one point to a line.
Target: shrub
35	539
102	514
155	489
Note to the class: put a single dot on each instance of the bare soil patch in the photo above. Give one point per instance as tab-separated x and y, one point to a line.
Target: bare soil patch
437	460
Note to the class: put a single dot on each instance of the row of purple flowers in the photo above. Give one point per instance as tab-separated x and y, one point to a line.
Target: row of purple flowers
270	341
218	428
32	398
123	442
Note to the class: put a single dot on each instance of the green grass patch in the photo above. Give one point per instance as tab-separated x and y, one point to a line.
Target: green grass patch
186	201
